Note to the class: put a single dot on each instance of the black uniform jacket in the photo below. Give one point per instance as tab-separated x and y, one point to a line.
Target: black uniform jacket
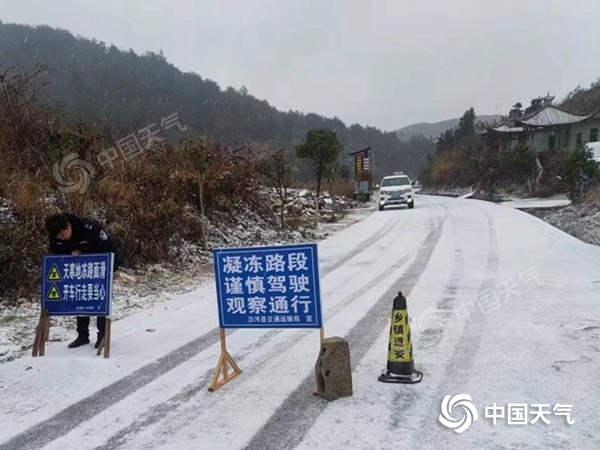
88	236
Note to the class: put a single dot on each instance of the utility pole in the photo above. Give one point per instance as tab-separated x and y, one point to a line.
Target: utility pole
317	196
373	177
373	151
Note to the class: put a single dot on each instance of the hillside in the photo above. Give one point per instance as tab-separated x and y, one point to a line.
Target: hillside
433	130
583	100
126	92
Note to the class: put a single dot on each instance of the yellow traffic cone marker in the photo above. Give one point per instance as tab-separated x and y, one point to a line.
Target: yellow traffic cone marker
400	365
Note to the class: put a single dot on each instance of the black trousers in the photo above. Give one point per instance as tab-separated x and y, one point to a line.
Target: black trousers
83	324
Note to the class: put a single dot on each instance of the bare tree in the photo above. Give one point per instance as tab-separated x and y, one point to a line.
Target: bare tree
200	152
331	173
28	129
278	170
74	153
24	119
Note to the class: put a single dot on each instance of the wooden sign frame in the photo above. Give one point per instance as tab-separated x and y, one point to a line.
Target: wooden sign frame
225	359
42	334
222	374
105	342
222	366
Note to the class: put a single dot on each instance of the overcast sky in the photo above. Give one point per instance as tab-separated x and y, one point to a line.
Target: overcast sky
374	62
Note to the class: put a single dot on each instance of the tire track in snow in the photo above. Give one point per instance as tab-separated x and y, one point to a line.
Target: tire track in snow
159	412
404	399
461	361
442	310
302	410
361	247
69	418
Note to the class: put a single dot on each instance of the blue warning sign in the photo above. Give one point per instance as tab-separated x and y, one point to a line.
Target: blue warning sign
268	287
77	285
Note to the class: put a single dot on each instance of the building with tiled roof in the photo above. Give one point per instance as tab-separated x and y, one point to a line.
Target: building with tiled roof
547	128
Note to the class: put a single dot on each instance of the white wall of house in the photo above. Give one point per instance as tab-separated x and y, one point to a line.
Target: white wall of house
565	138
586	132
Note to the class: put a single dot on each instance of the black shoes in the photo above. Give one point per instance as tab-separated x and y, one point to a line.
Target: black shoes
81	340
100	337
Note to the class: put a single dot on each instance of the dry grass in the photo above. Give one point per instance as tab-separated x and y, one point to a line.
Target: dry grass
150	204
446	169
592	196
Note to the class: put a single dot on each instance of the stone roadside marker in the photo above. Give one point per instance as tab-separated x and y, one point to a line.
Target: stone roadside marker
333	369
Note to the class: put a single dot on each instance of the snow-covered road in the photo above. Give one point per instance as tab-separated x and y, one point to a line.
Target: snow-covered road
503	307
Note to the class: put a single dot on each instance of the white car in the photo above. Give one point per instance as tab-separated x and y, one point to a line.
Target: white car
395	190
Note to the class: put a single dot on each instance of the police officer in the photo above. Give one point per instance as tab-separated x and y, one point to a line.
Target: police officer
73	235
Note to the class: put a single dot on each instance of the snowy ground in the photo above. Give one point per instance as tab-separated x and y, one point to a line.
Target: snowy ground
504	308
527	203
156	285
581	221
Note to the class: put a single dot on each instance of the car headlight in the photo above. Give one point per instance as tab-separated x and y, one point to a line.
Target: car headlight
385	193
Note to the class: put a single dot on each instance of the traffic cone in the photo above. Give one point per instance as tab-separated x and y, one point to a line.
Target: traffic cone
400	364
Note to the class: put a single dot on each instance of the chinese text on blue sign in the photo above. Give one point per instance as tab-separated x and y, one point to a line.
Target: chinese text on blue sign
268	287
77	285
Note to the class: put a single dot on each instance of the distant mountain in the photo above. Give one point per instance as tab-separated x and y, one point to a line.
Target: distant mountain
100	83
433	130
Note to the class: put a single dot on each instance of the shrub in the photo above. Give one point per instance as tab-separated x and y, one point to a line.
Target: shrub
148	203
580	168
518	164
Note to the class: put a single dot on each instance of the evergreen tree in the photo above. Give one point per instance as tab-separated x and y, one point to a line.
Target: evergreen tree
323	147
124	91
466	125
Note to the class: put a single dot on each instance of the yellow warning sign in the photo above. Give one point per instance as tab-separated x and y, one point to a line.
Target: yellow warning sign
54	274
400	346
54	293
